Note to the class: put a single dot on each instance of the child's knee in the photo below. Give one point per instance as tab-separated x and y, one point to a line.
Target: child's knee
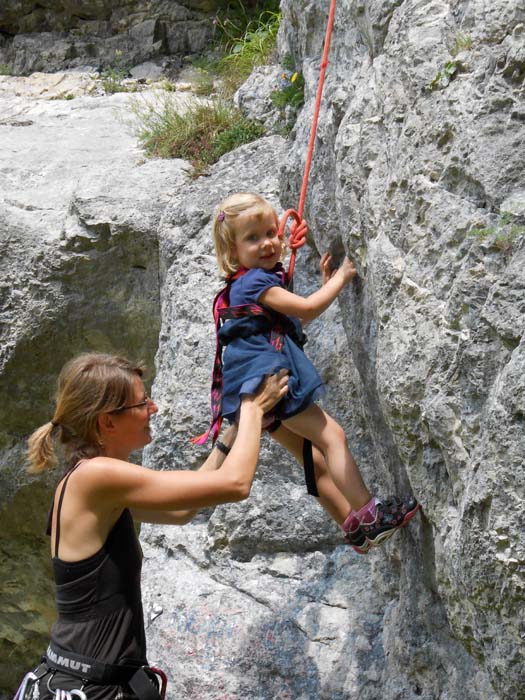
337	434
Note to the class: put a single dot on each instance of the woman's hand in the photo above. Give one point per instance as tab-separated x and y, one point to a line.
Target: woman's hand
271	391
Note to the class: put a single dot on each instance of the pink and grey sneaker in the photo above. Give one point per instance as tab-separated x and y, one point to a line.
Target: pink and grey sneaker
379	520
354	535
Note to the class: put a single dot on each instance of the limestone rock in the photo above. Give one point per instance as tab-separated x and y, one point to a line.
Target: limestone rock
48	86
248	591
254	97
66	35
79	270
414	176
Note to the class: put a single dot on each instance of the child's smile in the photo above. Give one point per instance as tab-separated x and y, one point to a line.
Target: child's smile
256	241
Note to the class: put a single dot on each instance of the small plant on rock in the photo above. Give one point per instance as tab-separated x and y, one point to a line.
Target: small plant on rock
290	92
462	42
201	133
114	75
289	97
444	76
503	234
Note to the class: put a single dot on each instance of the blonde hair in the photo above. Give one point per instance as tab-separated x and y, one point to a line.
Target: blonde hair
88	385
224	230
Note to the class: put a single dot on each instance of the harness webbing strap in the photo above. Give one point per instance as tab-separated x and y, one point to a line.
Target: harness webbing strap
98	672
143	687
87	668
309	471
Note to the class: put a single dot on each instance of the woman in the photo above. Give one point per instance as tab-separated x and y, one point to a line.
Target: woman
102	414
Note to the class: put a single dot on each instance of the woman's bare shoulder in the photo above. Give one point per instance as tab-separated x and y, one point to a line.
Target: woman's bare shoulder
103	473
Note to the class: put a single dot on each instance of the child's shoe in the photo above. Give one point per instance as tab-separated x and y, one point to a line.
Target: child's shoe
379	520
354	535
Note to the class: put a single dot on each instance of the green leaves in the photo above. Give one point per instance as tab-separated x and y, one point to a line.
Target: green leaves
201	134
444	76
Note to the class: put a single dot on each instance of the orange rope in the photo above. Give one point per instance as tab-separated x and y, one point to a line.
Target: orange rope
298	233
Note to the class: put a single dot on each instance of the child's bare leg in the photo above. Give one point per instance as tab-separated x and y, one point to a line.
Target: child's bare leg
323	431
330	497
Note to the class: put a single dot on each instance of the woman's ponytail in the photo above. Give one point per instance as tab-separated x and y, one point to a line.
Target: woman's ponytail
41	448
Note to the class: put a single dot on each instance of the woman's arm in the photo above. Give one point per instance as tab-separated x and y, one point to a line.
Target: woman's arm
116	484
310	307
180	517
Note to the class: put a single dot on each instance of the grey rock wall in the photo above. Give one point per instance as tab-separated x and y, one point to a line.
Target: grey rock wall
407	167
55	36
79	269
418	175
263	599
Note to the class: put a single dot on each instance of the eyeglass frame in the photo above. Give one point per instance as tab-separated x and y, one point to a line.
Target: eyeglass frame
142	404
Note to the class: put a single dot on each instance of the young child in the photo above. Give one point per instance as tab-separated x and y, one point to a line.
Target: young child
262	333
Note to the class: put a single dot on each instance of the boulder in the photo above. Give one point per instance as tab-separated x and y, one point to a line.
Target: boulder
79	270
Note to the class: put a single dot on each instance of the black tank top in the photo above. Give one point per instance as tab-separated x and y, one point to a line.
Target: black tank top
99	598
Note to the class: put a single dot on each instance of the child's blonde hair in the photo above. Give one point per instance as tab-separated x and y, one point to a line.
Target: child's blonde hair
224	230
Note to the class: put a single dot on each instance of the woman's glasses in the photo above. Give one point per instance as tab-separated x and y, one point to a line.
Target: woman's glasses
141	404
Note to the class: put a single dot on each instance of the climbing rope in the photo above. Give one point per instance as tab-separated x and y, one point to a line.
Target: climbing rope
297	232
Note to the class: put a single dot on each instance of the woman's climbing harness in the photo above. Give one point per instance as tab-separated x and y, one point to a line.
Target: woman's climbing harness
145	682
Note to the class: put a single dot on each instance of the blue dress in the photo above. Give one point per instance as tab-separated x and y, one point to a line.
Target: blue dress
246	360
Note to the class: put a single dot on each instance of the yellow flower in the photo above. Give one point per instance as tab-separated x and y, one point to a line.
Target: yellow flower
294	77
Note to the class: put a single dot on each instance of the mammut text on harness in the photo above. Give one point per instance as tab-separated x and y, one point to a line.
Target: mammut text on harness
146	682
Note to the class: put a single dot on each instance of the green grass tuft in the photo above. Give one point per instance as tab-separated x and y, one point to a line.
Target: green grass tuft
112	76
253	47
462	42
201	134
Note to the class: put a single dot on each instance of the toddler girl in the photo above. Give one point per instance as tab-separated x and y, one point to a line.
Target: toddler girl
259	324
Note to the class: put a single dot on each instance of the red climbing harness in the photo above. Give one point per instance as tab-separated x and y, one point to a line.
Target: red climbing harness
278	324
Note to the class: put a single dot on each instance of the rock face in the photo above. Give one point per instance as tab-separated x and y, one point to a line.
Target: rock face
59	35
79	269
418	174
264	596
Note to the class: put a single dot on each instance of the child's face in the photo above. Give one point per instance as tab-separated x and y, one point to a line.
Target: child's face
256	241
